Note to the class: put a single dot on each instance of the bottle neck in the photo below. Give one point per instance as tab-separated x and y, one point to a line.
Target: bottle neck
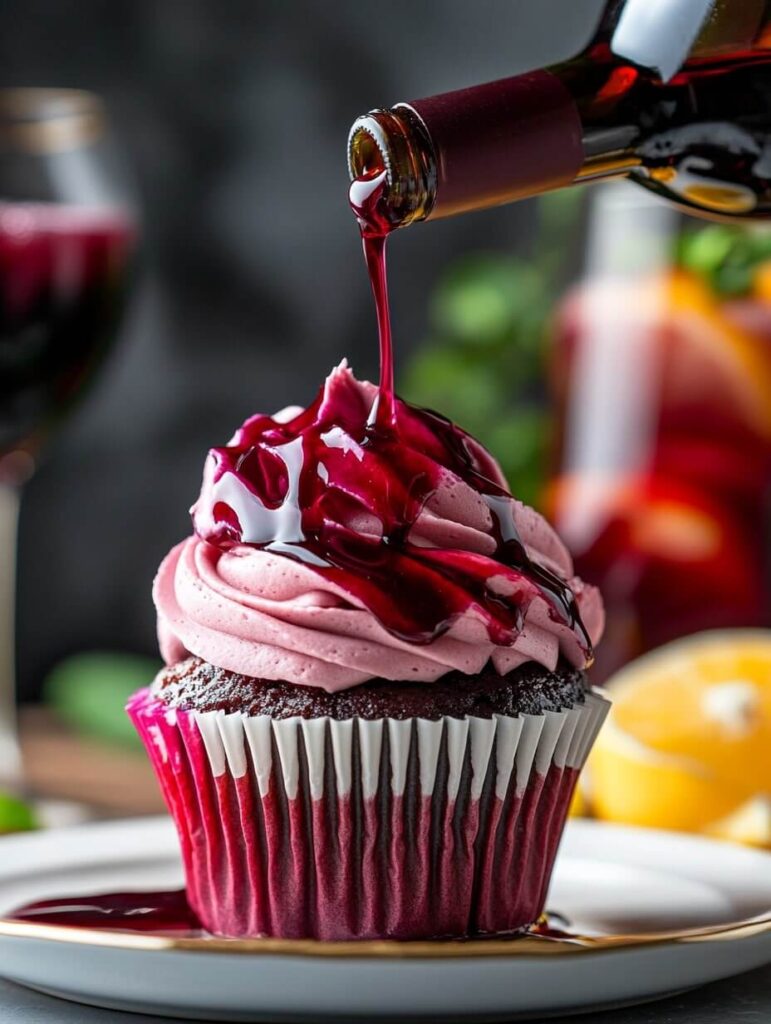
483	146
593	117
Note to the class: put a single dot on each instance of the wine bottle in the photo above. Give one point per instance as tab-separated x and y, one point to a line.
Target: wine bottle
675	96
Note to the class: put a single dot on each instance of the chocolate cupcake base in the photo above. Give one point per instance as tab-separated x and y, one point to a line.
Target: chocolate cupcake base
195	685
393	826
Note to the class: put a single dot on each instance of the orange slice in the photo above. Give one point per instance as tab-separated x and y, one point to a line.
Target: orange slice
688	742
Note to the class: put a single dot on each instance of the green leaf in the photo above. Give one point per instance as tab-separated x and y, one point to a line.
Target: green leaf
725	256
519	442
703	251
732	279
448	380
89	691
485	299
16	815
485	357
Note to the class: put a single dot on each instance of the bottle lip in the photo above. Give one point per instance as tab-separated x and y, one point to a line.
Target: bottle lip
369	125
393	141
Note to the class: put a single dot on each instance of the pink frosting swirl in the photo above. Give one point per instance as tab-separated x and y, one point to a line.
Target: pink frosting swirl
239	596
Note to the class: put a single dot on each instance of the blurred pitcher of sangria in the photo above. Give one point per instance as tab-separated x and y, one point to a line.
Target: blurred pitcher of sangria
661	366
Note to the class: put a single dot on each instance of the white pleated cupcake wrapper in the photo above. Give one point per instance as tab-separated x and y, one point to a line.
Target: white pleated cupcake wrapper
237	744
367	829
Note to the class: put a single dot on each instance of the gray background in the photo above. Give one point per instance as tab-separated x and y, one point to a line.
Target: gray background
234	117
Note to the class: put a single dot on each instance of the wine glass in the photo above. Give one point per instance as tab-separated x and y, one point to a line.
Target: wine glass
67	235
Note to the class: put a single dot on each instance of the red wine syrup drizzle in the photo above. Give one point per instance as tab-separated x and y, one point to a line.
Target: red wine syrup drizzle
366	199
342	485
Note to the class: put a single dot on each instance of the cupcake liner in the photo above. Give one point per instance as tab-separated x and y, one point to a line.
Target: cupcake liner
367	829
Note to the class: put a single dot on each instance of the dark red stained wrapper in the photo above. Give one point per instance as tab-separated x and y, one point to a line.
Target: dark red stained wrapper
502	141
400	851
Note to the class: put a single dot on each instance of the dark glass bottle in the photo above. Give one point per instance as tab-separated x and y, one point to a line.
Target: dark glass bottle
676	96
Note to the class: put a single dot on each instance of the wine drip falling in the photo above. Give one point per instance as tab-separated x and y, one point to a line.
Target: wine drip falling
366	197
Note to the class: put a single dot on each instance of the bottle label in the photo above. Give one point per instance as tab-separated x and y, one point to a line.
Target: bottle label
502	141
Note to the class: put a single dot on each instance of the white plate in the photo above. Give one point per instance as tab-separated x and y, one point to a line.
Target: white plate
660	913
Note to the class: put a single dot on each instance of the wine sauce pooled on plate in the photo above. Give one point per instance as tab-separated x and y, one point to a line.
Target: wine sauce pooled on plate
168	913
147	912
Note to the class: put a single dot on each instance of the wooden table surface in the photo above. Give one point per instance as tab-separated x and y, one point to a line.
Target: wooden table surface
115	781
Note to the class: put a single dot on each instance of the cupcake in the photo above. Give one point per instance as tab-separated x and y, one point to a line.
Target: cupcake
374	707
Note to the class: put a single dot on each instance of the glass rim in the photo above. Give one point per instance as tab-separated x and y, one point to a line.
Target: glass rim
47	119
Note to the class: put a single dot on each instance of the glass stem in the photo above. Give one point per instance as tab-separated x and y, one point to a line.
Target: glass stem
10	751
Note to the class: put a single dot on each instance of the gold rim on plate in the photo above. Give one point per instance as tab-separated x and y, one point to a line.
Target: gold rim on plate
522	945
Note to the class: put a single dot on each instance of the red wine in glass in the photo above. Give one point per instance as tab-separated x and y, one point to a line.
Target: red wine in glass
67	228
63	276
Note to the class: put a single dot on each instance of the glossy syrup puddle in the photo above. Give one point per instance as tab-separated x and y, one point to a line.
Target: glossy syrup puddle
168	914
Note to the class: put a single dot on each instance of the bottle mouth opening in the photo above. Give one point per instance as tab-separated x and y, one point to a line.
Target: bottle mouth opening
369	157
384	140
367	154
